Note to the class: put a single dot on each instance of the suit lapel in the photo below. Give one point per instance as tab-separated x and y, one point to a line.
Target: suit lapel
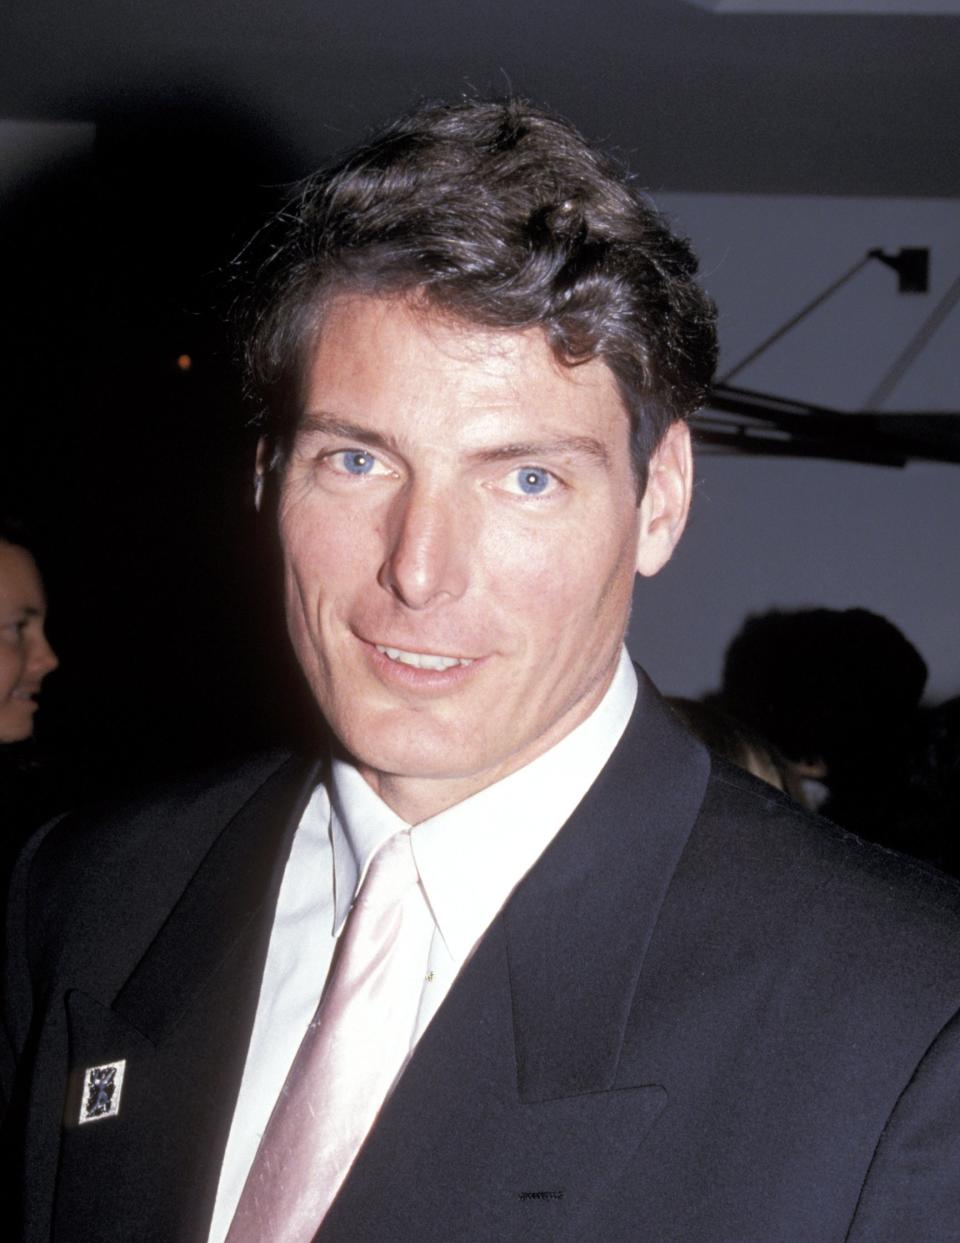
182	1034
514	1115
580	923
457	1156
223	905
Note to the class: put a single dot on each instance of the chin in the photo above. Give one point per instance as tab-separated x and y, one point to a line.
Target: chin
414	761
412	750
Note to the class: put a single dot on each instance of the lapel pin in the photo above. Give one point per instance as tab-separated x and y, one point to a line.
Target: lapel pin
101	1091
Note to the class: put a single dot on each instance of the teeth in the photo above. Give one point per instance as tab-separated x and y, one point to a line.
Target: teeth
422	660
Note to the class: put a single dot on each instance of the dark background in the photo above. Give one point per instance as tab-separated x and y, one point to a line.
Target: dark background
133	468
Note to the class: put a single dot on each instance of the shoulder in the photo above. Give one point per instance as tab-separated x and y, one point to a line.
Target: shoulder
160	822
121	864
822	888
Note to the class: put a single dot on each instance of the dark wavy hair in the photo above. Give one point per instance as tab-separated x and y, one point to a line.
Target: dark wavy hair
834	684
500	215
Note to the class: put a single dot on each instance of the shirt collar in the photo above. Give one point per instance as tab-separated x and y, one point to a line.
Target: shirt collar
360	822
471	856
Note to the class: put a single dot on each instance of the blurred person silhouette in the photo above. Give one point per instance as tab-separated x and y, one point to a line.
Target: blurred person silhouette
925	818
735	742
26	658
836	692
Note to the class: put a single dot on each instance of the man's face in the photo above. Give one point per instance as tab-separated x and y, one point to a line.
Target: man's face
460	528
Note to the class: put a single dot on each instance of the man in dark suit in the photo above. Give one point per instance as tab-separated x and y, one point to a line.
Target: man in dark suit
641	996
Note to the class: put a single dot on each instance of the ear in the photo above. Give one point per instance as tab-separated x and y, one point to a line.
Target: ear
260	471
666	500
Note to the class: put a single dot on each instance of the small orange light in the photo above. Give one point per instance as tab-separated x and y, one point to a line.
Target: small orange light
184	362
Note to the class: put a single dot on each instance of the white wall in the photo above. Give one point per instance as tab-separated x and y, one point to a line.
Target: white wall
793	532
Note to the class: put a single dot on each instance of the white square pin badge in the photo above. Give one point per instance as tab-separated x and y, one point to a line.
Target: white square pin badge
101	1091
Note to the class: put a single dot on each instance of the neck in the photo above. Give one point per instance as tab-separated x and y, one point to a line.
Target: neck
418	798
415	799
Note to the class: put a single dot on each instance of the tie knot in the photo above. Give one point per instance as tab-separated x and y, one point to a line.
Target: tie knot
391	873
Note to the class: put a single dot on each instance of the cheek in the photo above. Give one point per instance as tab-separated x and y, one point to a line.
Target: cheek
319	550
331	559
571	576
11	670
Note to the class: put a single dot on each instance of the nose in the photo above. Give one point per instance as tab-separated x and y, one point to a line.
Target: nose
428	551
42	659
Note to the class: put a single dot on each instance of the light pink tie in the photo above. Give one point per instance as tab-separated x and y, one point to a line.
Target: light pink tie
346	1064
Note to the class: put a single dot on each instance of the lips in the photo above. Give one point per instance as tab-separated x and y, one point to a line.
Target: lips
434	661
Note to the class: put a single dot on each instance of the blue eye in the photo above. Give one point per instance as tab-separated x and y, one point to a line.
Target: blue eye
533	480
357	461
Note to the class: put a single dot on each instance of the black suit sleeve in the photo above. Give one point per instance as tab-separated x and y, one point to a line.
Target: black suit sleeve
912	1190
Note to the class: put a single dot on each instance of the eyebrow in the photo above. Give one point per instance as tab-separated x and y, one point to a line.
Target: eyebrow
327	425
558	446
578	446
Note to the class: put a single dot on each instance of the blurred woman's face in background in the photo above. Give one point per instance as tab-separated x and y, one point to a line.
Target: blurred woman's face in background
25	655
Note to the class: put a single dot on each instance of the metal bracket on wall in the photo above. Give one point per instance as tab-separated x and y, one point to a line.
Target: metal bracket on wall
738	420
911	264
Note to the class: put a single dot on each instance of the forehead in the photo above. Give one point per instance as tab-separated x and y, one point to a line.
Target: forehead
384	356
20	585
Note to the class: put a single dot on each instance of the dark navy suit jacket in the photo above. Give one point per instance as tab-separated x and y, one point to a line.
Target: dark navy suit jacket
702	1017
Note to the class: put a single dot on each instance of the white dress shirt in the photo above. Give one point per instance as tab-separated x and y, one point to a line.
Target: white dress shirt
469	857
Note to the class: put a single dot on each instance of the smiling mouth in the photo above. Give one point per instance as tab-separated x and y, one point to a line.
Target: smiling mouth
422	660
